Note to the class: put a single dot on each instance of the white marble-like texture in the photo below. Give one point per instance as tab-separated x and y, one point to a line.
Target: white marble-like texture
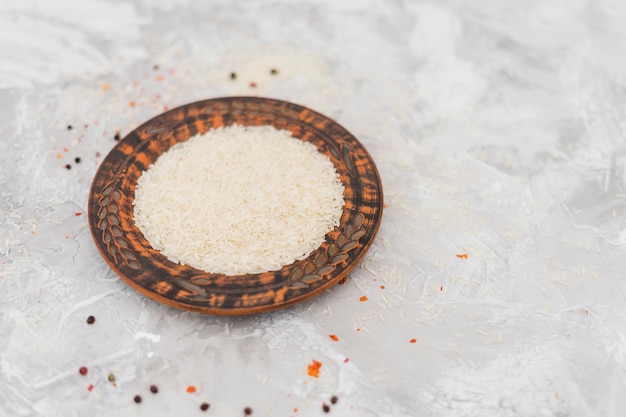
498	128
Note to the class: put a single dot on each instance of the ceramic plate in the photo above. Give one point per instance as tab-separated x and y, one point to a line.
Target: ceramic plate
129	254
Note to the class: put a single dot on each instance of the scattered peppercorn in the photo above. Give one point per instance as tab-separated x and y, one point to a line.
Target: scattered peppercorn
334	399
111	378
77	160
154	389
247	411
137	399
233	75
68	166
204	406
273	71
117	136
91	320
82	370
326	408
69	127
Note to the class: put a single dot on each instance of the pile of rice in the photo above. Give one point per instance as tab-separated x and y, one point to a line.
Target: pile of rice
239	200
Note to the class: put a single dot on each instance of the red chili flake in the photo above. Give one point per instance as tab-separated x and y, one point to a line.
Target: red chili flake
441	288
78	214
131	103
412	341
191	389
295	409
105	86
82	370
159	78
346	360
461	255
59	156
253	84
382	287
333	337
363	298
90	387
65	150
586	312
358	329
314	368
247	411
165	108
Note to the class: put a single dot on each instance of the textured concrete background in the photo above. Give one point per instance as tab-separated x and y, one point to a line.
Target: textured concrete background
498	129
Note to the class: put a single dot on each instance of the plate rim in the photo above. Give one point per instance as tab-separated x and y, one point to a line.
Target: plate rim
94	213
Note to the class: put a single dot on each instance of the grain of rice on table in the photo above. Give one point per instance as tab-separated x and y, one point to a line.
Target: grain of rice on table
239	200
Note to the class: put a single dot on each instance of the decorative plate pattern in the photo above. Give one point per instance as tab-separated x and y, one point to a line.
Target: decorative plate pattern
129	254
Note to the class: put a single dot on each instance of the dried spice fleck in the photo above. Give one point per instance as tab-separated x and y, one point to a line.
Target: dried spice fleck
155	67
247	411
233	76
364	298
253	84
191	389
90	319
131	103
314	368
346	360
412	341
105	86
82	370
333	337
137	399
111	378
334	399
69	127
462	255
68	166
78	214
90	387
77	160
382	287
273	71
117	136
154	389
204	406
326	408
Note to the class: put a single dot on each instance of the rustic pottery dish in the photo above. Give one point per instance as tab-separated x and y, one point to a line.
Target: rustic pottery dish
129	254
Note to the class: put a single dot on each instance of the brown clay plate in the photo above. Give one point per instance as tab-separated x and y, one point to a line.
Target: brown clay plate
129	254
